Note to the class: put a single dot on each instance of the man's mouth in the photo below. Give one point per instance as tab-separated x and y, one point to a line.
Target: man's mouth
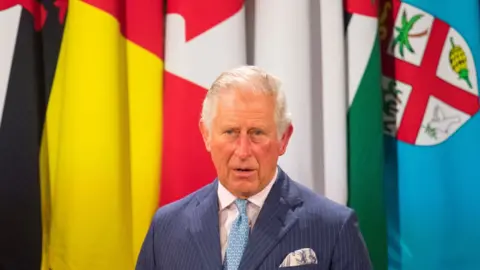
243	169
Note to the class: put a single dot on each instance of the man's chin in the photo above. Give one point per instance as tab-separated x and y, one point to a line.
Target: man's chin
243	188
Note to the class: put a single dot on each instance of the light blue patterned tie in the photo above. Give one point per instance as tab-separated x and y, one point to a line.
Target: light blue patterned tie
238	238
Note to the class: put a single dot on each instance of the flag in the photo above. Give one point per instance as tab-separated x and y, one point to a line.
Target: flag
365	126
30	37
282	46
333	101
202	39
101	144
430	62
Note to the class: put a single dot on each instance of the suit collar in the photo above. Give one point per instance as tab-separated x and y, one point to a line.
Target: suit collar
204	227
274	221
260	198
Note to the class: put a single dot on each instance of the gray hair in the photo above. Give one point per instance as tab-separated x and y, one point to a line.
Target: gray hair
257	80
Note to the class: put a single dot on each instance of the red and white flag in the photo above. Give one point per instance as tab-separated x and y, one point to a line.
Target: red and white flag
203	39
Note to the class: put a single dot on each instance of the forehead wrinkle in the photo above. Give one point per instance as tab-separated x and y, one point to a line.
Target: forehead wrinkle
241	99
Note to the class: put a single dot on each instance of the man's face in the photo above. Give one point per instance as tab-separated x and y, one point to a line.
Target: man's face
243	141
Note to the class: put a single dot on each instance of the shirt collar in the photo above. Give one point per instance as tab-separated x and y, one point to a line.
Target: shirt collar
226	198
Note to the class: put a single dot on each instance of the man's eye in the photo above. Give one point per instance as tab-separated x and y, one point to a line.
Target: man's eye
257	132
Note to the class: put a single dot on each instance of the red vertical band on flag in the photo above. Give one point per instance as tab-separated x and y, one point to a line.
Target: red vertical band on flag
186	164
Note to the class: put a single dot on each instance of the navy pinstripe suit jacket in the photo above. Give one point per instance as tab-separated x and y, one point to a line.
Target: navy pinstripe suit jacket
184	235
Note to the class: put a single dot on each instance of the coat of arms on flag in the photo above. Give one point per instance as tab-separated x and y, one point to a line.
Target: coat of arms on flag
430	81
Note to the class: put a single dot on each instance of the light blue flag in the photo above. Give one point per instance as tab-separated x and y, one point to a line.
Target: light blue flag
430	59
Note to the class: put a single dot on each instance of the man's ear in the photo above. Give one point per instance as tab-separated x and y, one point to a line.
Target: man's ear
205	134
285	139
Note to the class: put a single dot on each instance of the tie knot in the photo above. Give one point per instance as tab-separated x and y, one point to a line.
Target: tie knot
242	206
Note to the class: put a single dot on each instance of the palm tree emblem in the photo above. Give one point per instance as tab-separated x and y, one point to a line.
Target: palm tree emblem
402	39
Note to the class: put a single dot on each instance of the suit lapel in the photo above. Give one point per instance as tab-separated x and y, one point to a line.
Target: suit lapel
204	227
274	221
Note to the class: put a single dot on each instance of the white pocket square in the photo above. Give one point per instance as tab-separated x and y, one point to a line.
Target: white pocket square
299	257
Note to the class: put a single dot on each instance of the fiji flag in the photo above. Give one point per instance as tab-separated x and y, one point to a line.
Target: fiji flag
430	62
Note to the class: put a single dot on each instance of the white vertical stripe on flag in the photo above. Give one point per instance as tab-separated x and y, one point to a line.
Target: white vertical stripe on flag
334	101
282	47
9	23
361	30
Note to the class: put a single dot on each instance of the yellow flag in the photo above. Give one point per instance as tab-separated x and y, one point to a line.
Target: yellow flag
101	145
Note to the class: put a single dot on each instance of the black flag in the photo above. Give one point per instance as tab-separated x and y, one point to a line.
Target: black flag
30	38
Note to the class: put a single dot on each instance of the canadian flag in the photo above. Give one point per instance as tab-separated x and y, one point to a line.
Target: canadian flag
203	39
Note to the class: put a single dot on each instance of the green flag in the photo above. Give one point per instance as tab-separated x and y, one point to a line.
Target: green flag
365	126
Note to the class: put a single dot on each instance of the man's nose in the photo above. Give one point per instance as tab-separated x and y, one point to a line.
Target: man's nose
243	149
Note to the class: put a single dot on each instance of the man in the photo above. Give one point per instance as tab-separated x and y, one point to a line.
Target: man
253	216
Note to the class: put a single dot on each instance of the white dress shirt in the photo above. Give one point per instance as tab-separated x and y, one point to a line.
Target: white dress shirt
228	211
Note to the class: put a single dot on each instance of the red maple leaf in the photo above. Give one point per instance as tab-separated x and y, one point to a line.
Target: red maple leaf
202	15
